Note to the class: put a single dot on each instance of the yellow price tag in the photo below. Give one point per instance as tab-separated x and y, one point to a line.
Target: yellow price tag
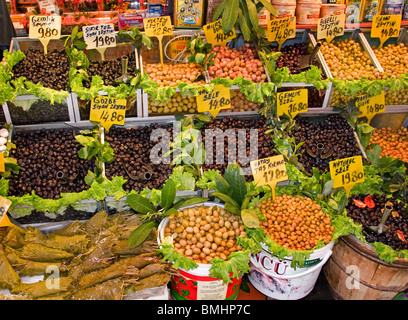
4	206
292	102
158	26
331	27
216	100
2	165
347	172
214	34
281	29
45	28
369	106
269	171
108	111
386	26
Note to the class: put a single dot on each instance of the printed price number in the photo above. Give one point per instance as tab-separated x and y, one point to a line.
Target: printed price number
214	34
281	29
48	32
385	26
292	102
108	111
158	26
213	102
347	172
330	27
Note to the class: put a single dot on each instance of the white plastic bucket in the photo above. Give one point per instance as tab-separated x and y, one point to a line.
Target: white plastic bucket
286	287
282	267
196	284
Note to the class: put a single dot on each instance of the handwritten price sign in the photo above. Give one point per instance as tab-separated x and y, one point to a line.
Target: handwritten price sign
281	29
269	171
330	27
370	105
214	34
45	28
214	102
347	172
158	26
99	36
292	102
385	27
108	111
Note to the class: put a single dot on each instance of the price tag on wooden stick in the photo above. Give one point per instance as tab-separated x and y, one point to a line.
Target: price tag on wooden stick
330	27
369	106
385	27
215	101
281	29
100	37
4	206
158	27
214	34
292	102
347	172
45	28
269	171
108	111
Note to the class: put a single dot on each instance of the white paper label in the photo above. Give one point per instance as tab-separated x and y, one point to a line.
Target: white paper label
211	290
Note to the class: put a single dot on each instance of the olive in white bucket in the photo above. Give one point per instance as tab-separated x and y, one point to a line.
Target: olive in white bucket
205	234
293	226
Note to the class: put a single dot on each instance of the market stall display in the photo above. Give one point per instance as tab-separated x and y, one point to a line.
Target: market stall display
216	225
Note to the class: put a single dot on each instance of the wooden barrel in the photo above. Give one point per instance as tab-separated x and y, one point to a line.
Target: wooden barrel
354	272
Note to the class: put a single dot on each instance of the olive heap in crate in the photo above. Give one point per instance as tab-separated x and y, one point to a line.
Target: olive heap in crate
324	141
290	55
393	142
347	60
230	63
51	70
133	158
394	60
368	211
49	163
229	127
111	70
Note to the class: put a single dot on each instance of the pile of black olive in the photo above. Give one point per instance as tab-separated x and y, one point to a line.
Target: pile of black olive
324	141
49	163
264	143
51	69
397	221
112	69
289	57
134	160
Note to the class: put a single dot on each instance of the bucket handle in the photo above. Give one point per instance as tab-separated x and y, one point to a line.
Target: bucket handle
312	269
